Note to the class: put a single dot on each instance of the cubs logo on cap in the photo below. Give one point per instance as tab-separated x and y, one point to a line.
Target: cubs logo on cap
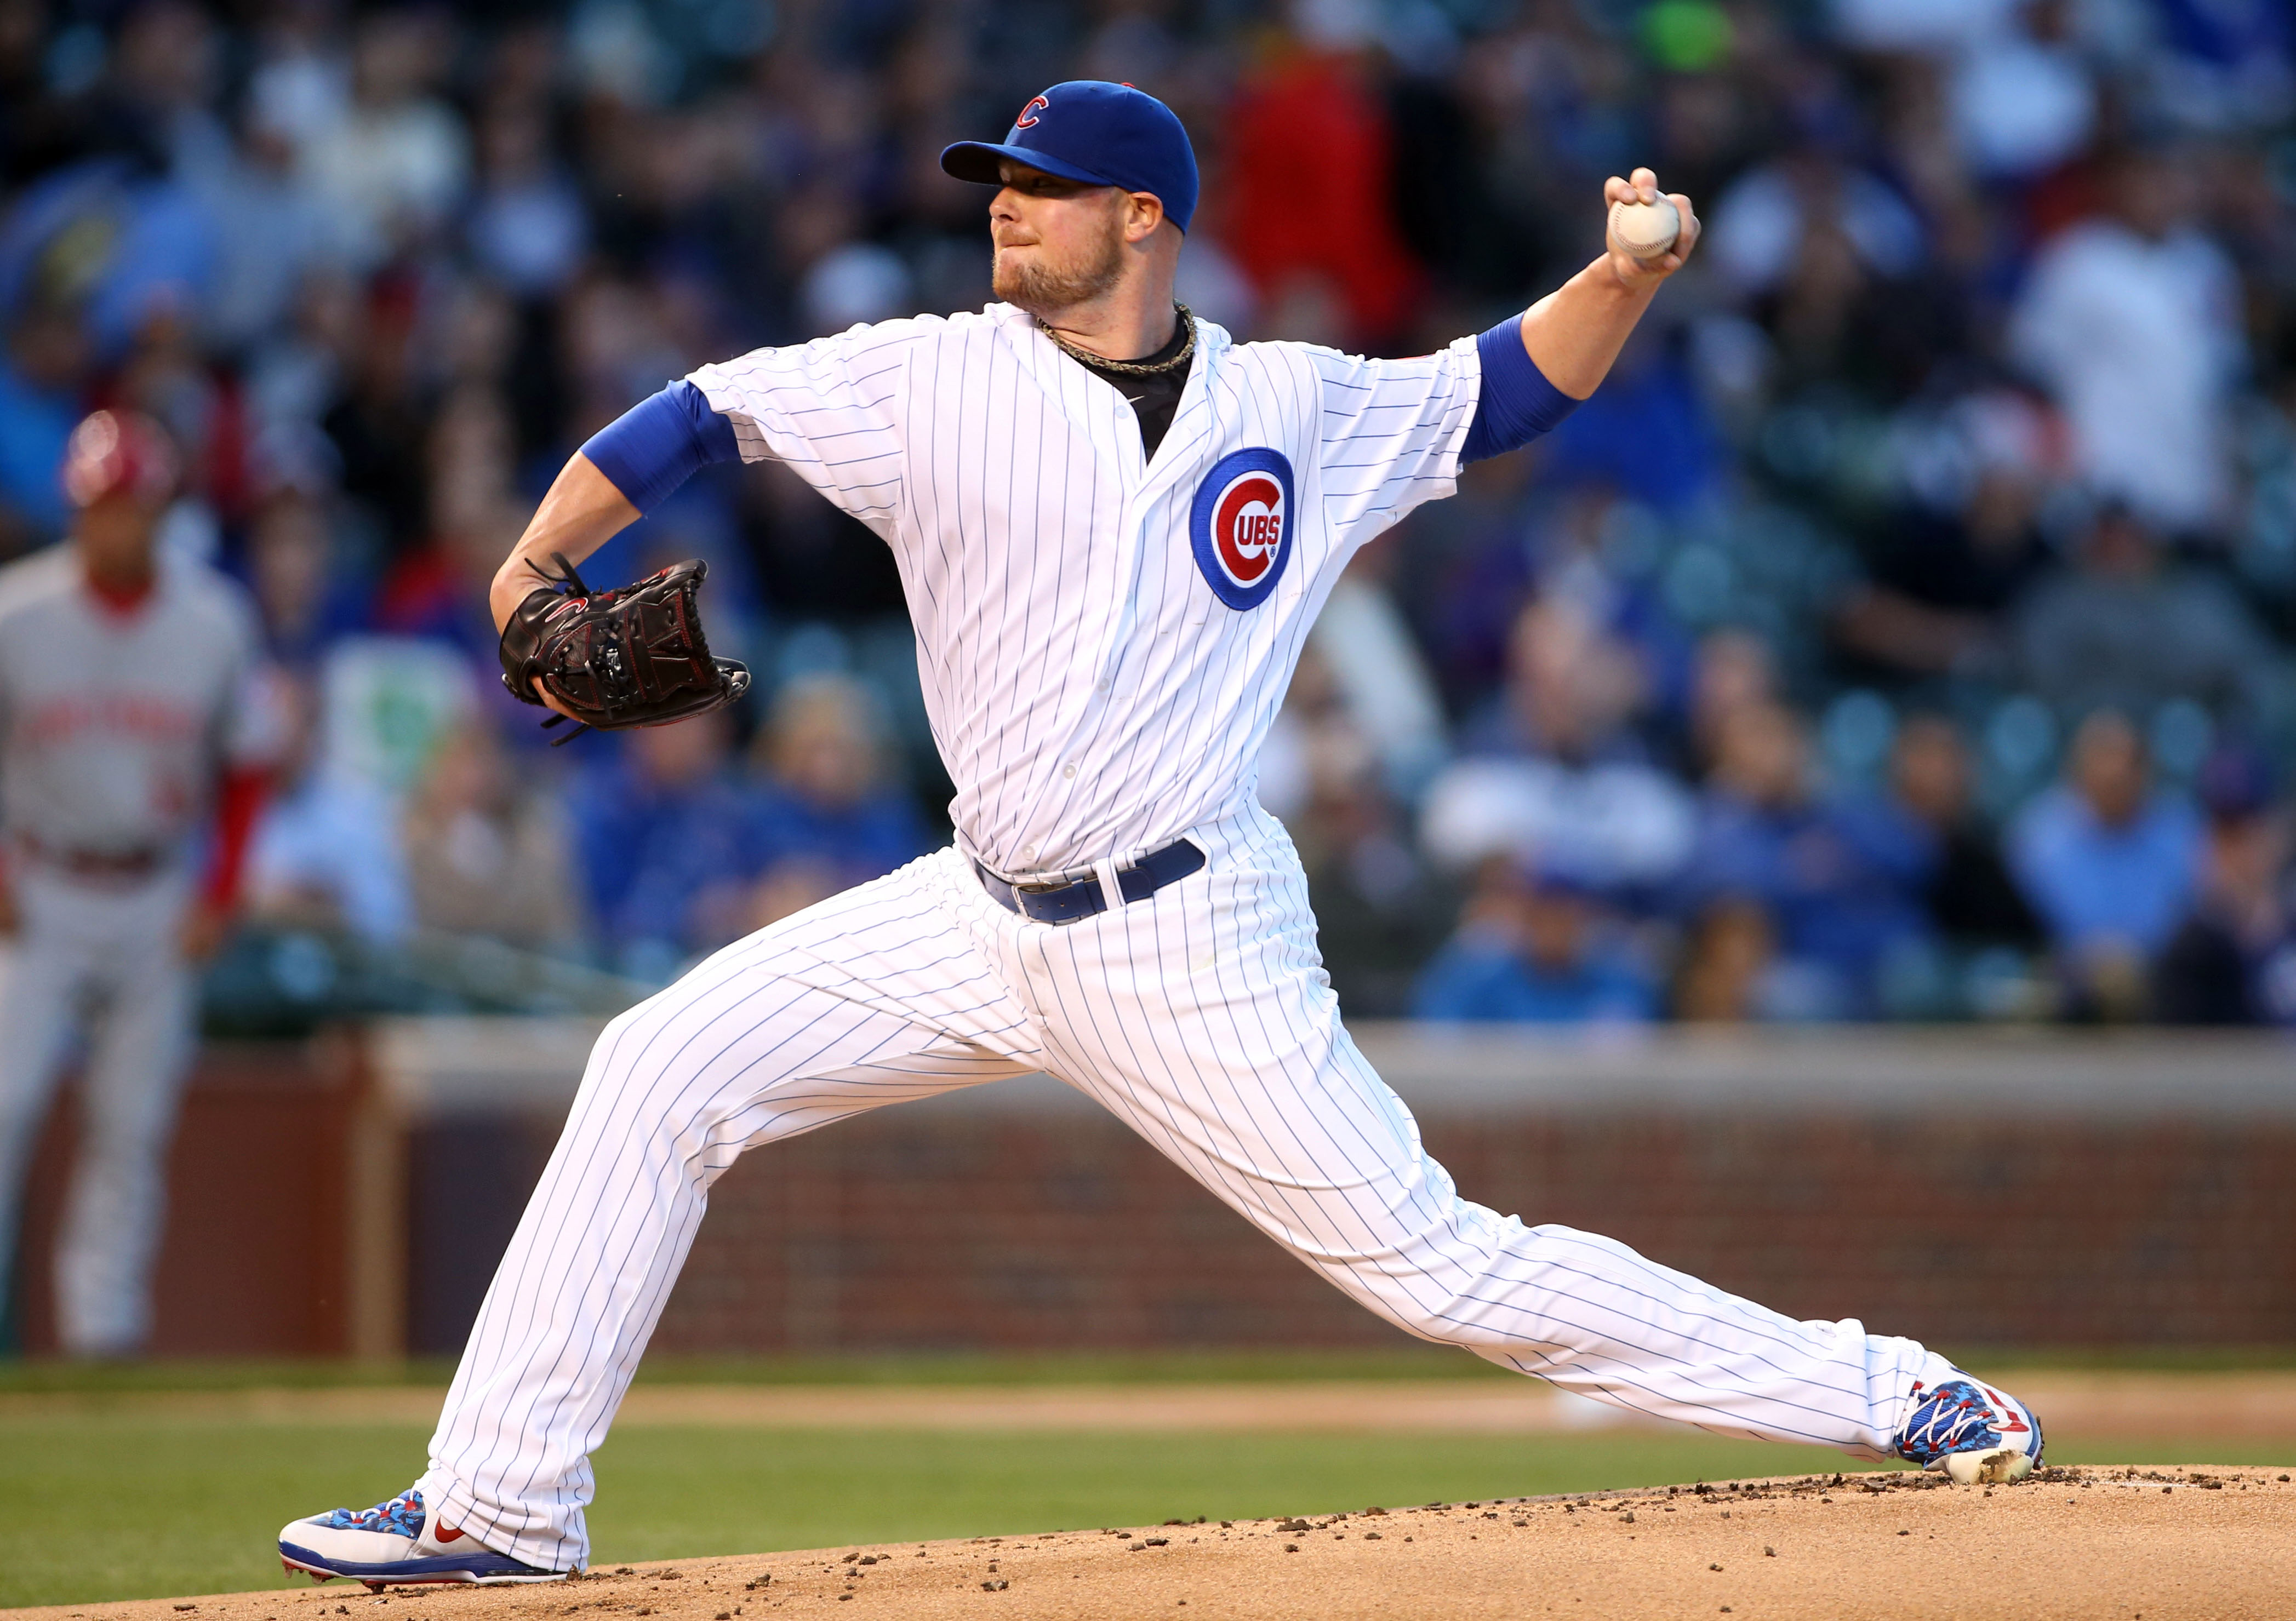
1239	526
1094	133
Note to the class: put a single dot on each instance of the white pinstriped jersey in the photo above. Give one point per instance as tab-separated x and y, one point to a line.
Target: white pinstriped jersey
1103	641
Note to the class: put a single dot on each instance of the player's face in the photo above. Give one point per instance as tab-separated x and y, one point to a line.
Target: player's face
115	534
1059	243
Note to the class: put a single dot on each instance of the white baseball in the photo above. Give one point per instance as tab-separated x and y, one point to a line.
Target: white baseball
1646	230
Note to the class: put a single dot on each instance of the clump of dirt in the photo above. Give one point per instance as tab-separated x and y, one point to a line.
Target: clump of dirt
2198	1540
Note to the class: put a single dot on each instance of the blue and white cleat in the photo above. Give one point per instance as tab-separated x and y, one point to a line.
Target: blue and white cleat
394	1542
1972	1432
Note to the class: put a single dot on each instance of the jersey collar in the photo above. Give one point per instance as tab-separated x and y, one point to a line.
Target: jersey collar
1089	402
121	607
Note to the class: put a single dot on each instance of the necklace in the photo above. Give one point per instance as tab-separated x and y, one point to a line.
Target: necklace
1129	368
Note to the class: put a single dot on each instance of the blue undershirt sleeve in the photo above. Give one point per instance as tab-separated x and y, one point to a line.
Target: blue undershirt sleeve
659	443
1517	402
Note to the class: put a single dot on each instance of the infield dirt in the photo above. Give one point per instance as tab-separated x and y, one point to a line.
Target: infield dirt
2091	1542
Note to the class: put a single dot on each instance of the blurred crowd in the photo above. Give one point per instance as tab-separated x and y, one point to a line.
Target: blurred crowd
1904	630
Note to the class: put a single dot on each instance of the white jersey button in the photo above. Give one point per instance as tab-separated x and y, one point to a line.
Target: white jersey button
1068	770
1028	852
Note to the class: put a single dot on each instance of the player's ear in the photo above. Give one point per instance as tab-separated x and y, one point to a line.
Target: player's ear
1143	217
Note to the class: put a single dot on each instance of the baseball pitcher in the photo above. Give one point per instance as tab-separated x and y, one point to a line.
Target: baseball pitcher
1115	525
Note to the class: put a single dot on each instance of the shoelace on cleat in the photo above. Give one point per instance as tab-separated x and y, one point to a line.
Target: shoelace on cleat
1955	1417
402	1515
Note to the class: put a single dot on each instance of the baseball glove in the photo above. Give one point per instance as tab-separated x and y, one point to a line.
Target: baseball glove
633	657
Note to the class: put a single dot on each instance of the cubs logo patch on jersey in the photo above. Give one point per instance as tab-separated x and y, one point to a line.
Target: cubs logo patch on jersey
1240	525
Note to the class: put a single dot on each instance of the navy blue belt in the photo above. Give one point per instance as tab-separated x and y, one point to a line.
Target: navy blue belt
1072	903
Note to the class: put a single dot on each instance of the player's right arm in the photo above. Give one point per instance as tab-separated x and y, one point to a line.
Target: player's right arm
584	510
826	409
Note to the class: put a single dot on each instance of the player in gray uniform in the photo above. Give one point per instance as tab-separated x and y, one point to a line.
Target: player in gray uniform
127	729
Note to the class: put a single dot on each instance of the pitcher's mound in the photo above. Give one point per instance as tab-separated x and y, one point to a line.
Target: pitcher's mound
2089	1543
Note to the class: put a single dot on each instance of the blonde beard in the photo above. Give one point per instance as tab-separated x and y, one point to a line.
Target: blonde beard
1045	291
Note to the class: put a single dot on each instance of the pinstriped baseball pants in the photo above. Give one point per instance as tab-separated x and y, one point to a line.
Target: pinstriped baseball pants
1202	1019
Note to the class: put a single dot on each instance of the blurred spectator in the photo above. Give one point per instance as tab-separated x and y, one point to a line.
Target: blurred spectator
1464	568
1554	774
2128	628
367	361
1308	200
1381	910
325	852
1943	572
2233	962
1735	670
527	226
828	814
1970	896
1535	948
2132	322
439	589
1836	264
272	232
390	164
858	281
1765	223
2023	100
660	830
2109	863
1379	674
300	85
1841	880
304	600
485	854
1572	691
1728	968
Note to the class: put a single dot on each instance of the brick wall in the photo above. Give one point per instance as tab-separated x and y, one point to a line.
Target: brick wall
2040	1190
254	1258
991	1230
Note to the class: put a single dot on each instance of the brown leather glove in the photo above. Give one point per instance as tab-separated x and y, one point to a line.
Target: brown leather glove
635	657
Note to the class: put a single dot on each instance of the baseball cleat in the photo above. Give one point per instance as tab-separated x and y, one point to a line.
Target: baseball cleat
394	1542
1972	1432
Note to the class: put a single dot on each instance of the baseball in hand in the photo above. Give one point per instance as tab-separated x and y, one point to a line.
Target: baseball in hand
1646	230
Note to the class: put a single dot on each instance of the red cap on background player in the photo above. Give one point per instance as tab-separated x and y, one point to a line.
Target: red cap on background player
119	451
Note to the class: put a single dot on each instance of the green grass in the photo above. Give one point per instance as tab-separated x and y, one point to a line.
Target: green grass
111	1506
1409	1360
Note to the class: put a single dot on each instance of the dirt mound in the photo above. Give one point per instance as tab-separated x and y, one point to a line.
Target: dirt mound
2090	1541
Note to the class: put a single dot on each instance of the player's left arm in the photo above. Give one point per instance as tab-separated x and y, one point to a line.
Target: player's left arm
1538	366
1574	333
246	737
1394	433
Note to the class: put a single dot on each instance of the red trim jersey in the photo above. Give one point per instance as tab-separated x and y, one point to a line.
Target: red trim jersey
116	723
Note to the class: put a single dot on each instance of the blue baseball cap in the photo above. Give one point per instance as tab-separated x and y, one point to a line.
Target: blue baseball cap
1096	133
